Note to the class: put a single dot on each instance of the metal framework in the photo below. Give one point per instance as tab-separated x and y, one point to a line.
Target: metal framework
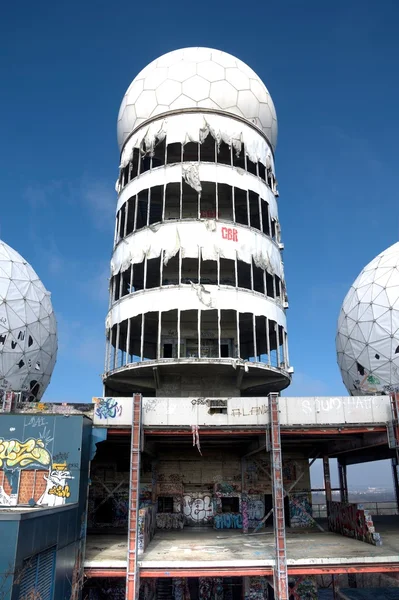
280	573
132	571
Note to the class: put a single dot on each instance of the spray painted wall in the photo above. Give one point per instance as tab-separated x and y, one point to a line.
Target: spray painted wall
351	520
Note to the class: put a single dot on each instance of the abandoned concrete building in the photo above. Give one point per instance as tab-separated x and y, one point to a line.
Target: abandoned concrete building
198	465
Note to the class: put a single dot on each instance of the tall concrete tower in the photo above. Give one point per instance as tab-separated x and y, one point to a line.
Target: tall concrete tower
197	290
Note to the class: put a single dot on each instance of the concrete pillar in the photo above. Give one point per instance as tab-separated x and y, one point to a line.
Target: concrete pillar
395	473
327	482
343	482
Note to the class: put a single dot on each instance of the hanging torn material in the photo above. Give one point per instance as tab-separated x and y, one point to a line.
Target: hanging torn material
195	127
196	441
191	176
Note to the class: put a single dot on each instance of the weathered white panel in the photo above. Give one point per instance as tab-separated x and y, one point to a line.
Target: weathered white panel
210	236
305	412
195	297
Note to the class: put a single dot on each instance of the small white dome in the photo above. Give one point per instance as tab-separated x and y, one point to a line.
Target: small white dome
28	329
197	78
367	340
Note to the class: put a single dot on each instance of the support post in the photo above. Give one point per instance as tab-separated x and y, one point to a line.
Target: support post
327	482
343	482
132	570
395	473
280	572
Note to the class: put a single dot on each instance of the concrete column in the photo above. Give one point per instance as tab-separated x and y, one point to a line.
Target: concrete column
395	473
343	483
327	482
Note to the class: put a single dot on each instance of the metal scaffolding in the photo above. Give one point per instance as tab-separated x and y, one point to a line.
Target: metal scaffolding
132	571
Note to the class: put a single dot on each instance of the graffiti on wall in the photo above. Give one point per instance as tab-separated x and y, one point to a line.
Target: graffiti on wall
197	508
256	588
351	520
228	521
301	511
304	587
256	512
15	454
107	408
146	527
210	588
57	488
170	521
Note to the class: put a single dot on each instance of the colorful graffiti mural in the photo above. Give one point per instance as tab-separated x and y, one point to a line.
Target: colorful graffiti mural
170	521
107	408
303	588
15	454
197	508
228	521
301	510
146	527
57	489
351	520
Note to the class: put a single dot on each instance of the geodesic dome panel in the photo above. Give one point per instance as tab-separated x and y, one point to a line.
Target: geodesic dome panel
367	340
197	78
28	329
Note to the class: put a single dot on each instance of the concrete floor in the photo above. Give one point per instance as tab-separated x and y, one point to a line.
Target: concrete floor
185	547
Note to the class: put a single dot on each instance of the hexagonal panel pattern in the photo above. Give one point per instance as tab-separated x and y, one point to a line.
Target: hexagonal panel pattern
28	329
367	340
197	78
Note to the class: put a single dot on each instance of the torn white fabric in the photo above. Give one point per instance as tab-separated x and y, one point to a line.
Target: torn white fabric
191	175
210	237
187	298
196	440
195	127
206	172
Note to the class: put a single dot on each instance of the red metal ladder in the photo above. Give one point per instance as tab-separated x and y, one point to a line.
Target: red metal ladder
280	573
132	570
393	425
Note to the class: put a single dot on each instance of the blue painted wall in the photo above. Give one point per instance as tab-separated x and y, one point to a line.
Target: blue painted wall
65	449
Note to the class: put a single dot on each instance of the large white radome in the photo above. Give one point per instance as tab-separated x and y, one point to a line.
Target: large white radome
368	328
197	78
28	329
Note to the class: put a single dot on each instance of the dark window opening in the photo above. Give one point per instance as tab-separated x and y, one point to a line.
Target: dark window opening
397	350
251	167
224	154
254	210
158	160
273	232
130	206
189	332
244	275
225	202
125	284
189	202
208	274
240	206
209	334
269	285
228	332
278	286
134	345
208	201
207	149
262	171
153	273
138	277
142	208
170	273
122	221
246	336
227	275
230	505
117	283
261	339
224	350
172	201
135	162
265	217
360	369
145	163
156	200
173	153
165	504
258	278
150	335
126	174
273	343
168	350
189	270
190	152
239	159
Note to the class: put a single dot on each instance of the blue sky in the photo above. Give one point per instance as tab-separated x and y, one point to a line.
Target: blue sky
331	68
